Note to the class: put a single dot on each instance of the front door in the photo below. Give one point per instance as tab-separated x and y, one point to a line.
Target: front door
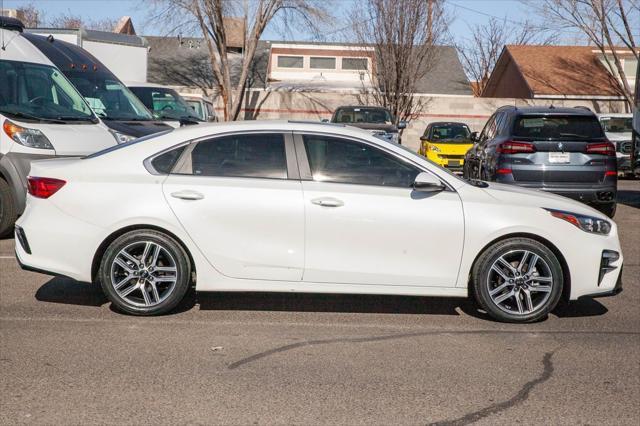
233	196
366	225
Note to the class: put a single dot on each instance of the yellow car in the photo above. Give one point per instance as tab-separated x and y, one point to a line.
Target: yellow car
446	144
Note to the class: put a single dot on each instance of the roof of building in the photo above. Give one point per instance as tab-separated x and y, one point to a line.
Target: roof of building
556	70
182	61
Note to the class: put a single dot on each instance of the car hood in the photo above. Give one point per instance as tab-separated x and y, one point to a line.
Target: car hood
516	195
137	128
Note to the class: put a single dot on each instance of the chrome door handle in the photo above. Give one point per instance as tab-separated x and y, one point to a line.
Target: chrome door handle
187	195
327	202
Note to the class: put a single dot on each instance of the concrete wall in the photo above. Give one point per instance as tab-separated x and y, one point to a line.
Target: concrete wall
315	106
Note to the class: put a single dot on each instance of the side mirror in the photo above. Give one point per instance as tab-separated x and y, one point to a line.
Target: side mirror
402	125
426	182
475	137
324	120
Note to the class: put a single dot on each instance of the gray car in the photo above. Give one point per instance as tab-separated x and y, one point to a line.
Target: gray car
560	150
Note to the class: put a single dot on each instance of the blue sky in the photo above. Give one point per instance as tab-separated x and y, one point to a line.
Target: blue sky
466	12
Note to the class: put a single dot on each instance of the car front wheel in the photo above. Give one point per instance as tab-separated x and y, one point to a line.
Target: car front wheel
145	272
517	280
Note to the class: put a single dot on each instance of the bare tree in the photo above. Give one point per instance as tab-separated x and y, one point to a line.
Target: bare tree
210	18
31	16
480	52
607	24
71	21
404	35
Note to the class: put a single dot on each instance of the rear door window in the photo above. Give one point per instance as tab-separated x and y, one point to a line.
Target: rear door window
557	127
251	156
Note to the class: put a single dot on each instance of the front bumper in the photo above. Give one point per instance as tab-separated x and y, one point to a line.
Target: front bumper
445	161
617	289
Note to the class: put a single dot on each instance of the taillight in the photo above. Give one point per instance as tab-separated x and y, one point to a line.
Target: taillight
43	187
602	148
511	147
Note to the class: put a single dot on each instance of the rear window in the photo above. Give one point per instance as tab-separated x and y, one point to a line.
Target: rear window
557	127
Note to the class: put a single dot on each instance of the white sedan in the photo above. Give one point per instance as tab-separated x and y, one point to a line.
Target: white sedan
306	207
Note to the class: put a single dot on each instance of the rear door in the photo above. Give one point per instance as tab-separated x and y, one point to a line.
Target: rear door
560	143
240	200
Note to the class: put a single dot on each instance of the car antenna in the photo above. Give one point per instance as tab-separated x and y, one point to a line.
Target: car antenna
552	107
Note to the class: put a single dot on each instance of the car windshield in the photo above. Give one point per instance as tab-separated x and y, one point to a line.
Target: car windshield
108	97
617	124
197	107
363	115
165	103
557	127
451	133
40	92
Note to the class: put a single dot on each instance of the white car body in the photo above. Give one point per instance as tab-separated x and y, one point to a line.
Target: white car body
250	234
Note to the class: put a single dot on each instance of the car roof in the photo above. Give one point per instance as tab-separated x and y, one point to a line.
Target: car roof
615	115
550	110
67	56
18	48
445	123
362	106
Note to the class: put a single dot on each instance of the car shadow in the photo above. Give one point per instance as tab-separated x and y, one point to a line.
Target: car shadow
67	291
629	198
71	292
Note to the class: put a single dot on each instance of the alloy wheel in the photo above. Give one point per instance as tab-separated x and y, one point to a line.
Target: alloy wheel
144	273
520	282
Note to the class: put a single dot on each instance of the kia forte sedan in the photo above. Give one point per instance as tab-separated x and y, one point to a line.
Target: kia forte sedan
306	207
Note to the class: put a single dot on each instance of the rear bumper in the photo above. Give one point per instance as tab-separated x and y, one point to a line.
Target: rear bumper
595	194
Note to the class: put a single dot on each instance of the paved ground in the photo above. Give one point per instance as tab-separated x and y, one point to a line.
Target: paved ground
65	357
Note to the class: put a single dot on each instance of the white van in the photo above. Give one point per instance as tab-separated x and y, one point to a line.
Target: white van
42	116
202	106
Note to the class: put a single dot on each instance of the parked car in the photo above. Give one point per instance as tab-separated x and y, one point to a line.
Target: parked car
201	105
446	143
377	120
110	99
619	130
560	150
42	116
306	207
635	163
165	103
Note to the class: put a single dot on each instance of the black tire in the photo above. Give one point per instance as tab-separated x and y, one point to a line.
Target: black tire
8	210
483	277
608	209
171	250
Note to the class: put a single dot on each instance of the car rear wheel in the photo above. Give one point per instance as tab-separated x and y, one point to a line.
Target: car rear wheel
517	280
145	272
8	213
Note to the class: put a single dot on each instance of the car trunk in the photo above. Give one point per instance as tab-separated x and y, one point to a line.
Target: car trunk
559	162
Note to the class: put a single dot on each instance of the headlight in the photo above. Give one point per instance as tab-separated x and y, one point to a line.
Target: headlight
121	137
590	224
434	148
33	138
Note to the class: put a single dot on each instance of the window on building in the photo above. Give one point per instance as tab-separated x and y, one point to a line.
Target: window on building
290	62
359	64
323	63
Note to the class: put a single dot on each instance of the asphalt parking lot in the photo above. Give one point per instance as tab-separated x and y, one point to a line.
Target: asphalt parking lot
67	358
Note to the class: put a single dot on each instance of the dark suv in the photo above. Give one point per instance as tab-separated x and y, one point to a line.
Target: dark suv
560	150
